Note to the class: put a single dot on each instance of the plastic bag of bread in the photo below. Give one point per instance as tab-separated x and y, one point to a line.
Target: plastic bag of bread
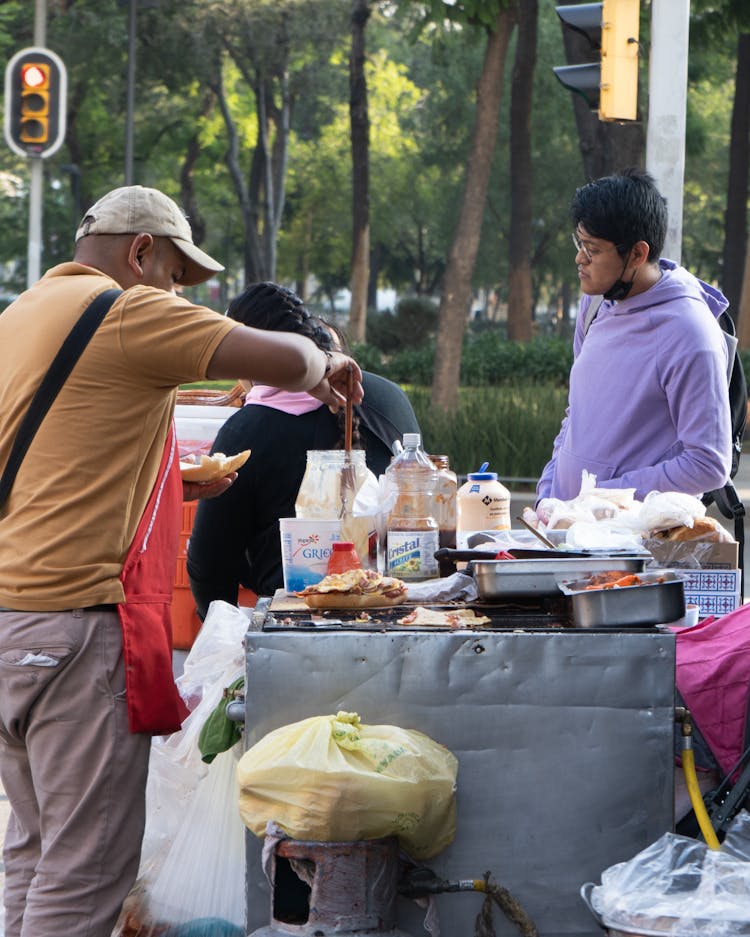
703	530
567	513
664	510
604	503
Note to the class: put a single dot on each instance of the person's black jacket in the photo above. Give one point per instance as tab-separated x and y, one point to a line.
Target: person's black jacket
235	539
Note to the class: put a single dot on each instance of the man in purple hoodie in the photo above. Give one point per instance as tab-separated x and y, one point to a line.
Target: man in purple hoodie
648	406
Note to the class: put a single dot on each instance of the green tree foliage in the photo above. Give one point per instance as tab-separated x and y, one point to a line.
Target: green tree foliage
423	59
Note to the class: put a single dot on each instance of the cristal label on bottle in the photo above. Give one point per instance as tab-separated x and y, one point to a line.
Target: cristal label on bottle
411	554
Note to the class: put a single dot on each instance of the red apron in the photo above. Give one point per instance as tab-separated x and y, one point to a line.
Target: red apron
147	577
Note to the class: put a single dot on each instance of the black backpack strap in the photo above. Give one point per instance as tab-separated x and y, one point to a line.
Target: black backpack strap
70	351
728	502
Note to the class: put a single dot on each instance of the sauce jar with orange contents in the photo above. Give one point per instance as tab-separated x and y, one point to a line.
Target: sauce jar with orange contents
343	557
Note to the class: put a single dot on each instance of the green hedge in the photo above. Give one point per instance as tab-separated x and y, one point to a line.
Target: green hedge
511	400
510	427
487	359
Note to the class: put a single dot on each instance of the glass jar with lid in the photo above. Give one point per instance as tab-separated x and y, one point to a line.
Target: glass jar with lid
329	486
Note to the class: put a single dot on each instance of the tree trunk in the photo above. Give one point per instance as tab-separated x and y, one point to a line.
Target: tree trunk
605	146
456	293
187	188
252	247
520	289
735	218
743	324
360	132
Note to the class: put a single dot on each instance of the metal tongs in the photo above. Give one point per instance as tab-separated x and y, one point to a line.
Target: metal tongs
348	478
540	536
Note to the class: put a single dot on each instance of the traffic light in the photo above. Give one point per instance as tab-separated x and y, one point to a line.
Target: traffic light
34	121
35	89
609	85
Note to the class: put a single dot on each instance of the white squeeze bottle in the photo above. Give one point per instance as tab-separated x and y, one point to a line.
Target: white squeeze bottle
483	503
412	537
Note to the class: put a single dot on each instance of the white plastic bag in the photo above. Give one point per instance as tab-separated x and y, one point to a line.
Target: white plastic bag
191	878
662	510
203	873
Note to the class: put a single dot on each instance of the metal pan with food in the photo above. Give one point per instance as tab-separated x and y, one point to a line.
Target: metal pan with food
635	600
498	580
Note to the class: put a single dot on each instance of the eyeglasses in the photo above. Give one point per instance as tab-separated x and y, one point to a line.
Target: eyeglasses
589	254
581	247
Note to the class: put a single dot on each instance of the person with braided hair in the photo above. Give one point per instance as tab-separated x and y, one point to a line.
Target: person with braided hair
235	539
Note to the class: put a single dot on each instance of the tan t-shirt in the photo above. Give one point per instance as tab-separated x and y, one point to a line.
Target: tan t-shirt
85	481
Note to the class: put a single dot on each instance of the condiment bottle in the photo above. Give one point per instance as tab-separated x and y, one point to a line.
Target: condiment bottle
412	536
343	557
483	503
445	509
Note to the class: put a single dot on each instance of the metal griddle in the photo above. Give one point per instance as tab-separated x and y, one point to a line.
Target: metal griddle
533	613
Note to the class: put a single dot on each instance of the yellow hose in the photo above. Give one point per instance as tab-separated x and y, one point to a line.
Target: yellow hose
696	798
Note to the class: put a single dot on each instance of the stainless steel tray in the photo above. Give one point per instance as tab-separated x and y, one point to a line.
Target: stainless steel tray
659	599
512	579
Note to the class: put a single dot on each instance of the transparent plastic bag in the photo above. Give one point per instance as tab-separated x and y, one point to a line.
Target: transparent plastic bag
662	510
191	877
330	778
202	875
678	886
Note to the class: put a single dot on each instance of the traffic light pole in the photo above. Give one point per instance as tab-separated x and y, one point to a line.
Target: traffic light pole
667	104
34	251
36	171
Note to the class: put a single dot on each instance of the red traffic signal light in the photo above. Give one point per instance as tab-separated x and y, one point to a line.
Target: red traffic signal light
34	117
35	89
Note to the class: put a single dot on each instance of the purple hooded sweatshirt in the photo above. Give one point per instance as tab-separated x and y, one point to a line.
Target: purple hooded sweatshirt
648	406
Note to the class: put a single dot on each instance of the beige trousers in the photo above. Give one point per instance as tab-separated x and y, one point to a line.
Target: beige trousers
74	775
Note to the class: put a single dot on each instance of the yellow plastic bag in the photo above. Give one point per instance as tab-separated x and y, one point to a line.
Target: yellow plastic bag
330	779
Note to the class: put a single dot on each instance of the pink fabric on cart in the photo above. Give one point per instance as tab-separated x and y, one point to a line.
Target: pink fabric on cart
713	677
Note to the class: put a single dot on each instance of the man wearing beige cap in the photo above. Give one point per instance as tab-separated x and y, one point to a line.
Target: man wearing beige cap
88	541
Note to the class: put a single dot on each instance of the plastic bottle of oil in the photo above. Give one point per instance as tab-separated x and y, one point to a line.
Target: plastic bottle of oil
412	537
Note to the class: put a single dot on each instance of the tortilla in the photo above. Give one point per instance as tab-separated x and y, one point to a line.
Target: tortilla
443	618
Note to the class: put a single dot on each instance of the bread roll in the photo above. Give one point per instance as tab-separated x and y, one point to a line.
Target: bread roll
706	529
212	467
347	600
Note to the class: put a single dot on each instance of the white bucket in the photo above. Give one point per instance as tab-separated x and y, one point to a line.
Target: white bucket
305	549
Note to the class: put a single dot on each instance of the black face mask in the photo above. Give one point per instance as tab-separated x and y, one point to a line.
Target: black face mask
620	289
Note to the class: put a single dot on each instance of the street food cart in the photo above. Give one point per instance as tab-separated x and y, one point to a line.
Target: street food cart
564	738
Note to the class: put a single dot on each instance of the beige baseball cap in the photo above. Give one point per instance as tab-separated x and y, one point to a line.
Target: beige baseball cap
135	209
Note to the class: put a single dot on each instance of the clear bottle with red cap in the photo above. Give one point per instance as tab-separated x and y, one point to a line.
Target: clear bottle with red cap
343	557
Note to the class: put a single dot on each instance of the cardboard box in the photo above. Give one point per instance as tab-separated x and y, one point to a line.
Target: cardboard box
694	555
709	570
714	591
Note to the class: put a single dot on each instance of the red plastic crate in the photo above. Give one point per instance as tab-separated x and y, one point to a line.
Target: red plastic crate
185	621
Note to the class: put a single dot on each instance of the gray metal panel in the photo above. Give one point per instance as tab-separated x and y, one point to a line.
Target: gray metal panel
564	741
